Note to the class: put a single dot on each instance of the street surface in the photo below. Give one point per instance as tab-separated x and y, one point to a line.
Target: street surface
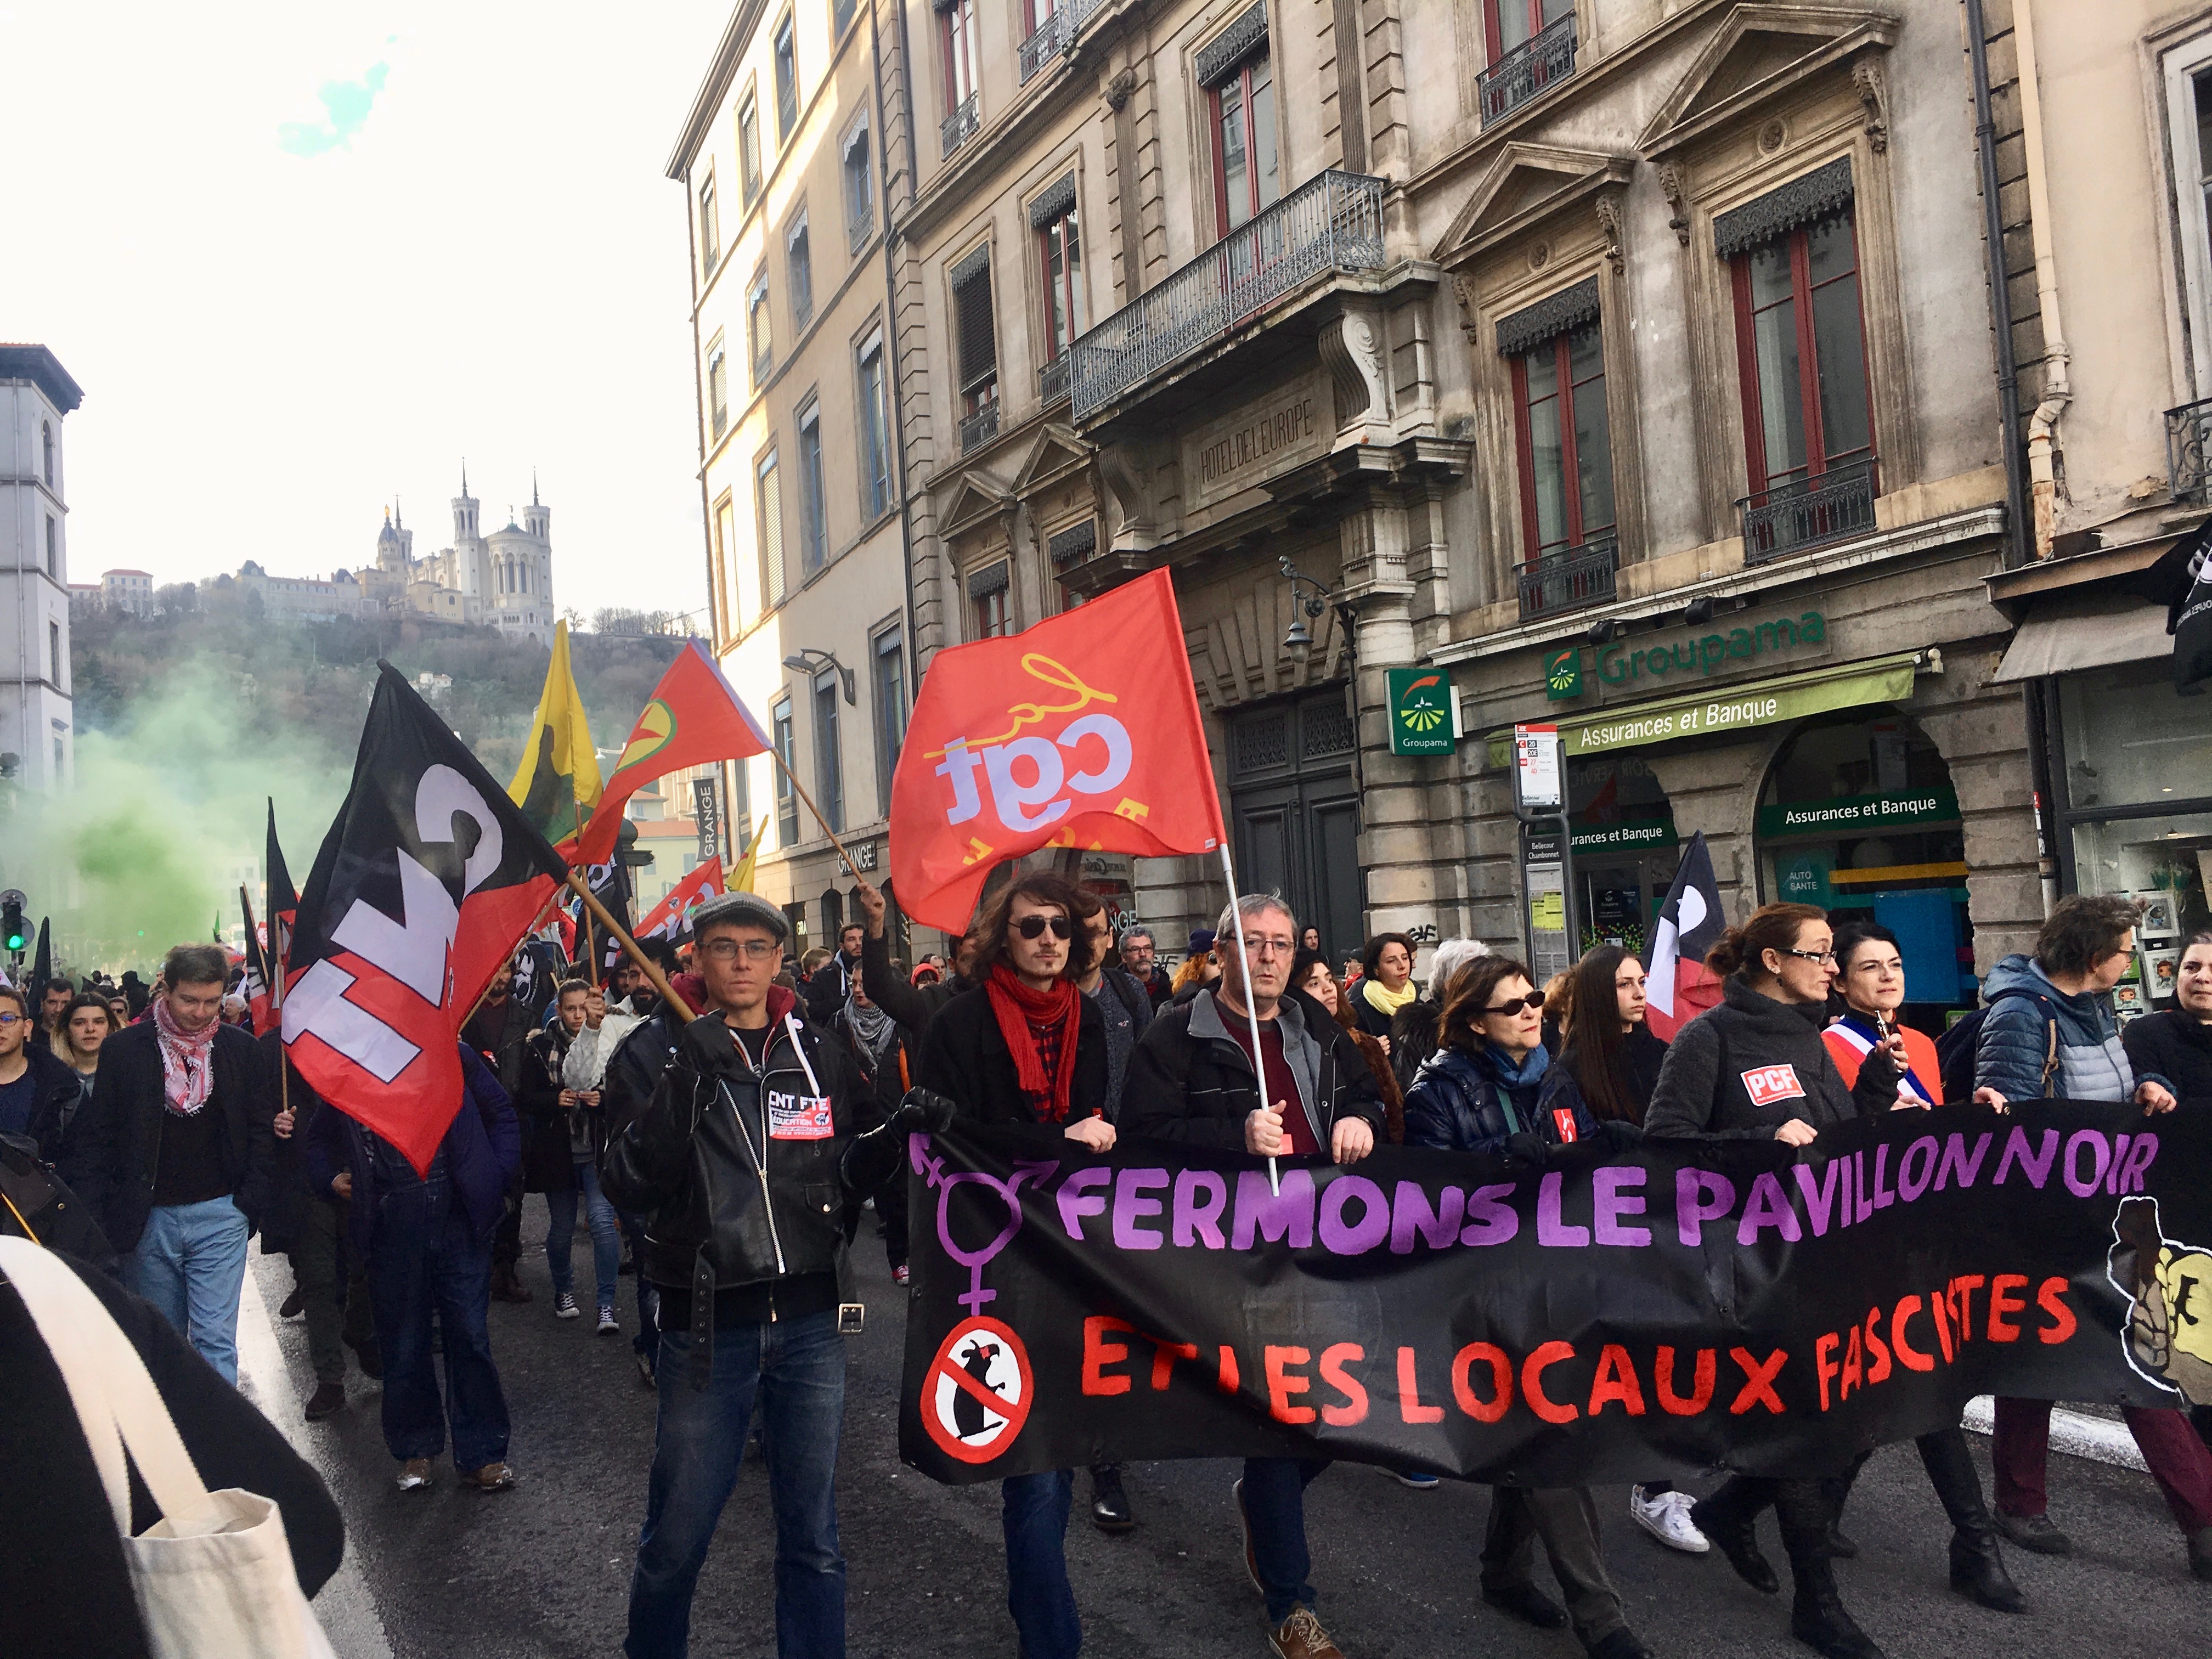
543	1570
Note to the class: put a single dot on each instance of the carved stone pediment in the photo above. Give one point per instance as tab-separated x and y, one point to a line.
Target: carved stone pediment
976	498
1525	184
1757	53
1053	452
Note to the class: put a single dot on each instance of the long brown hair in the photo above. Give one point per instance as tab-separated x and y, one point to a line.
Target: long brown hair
1041	887
1459	1026
1770	927
1592	1051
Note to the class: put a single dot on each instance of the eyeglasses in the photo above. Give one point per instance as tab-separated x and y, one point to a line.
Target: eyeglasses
9	1019
1534	999
1034	926
1812	955
753	949
1269	947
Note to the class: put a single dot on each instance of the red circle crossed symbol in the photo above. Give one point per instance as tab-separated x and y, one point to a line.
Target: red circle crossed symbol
976	1396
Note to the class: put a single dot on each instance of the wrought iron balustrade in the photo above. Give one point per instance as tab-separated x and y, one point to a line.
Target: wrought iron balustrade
1052	380
1807	512
860	228
1332	222
980	427
1537	64
1053	36
958	128
2188	451
1569	578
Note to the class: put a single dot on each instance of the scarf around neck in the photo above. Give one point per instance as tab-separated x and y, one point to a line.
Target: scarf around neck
1015	1006
187	1061
1527	1074
1382	998
873	1026
1858	1029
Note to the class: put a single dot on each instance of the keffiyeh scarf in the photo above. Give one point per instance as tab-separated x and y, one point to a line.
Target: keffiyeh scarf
187	1061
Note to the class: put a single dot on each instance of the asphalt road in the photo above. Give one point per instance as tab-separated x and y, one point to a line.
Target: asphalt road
543	1570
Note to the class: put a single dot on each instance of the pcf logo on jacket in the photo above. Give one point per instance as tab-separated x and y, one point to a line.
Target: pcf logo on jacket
1769	1084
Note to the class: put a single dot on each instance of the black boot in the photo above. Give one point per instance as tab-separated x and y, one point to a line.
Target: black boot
1978	1572
1729	1519
1817	1617
1978	1568
1110	1504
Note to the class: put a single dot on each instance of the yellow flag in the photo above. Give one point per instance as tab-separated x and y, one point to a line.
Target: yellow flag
558	784
741	878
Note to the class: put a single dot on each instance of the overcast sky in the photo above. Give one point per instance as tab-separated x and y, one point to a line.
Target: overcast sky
303	259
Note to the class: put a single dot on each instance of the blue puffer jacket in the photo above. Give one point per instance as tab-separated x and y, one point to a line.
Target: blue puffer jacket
1456	1103
2014	1043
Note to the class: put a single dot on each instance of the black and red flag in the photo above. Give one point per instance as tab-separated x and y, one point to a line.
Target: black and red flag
268	948
427	877
1678	986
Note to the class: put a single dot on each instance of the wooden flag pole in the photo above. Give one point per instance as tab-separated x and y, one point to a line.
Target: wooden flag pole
537	922
591	945
583	890
272	987
851	868
1251	1013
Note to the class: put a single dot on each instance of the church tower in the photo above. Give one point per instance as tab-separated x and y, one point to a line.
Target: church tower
537	517
465	513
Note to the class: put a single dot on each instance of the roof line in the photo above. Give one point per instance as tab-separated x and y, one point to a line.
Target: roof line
744	18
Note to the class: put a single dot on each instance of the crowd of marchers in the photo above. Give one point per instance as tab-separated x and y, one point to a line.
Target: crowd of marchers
725	1154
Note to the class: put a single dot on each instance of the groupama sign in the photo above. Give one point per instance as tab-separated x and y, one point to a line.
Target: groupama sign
1690	654
1421	712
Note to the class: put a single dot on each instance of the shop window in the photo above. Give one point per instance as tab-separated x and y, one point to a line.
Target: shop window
786	799
1802	345
988	593
1247	177
1625	849
1566	443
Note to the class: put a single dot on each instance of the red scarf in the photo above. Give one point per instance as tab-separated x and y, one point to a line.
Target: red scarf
1016	1007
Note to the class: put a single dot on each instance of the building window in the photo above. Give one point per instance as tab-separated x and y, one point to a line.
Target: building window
799	258
61	755
786	78
1512	24
787	800
749	151
813	535
2187	73
740	819
718	388
875	431
1060	255
759	340
53	547
46	449
988	590
859	190
54	651
888	649
963	51
976	332
1246	178
710	226
726	537
1566	452
1801	349
842	13
770	492
829	753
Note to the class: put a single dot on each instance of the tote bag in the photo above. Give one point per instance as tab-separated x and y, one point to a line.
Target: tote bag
214	1576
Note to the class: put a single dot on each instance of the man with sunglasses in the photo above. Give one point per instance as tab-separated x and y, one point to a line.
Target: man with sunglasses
1193	1079
1027	1046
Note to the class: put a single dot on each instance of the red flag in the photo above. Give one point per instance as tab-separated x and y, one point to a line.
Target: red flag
1678	986
427	879
671	919
1081	732
693	717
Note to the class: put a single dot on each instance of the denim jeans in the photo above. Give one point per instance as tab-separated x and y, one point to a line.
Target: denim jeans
426	1256
1036	1509
606	1234
795	1369
190	1263
647	1339
1275	1510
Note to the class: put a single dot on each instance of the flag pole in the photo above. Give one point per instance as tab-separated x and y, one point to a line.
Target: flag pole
797	788
1251	1013
591	945
272	986
615	932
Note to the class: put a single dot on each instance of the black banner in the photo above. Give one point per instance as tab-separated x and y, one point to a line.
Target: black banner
1737	1305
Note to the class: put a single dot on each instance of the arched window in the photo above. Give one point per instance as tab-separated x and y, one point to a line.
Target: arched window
46	444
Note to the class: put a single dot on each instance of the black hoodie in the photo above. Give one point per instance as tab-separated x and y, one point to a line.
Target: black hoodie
1741	1071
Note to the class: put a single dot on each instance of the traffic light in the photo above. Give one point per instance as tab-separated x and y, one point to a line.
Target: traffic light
14	935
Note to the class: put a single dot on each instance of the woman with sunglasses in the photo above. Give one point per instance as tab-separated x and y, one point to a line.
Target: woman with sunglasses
1777	967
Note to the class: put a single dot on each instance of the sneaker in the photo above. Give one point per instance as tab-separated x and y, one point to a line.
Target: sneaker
564	1305
492	1477
328	1399
1301	1638
1418	1479
608	1323
415	1474
2034	1532
901	1273
1666	1516
1244	1525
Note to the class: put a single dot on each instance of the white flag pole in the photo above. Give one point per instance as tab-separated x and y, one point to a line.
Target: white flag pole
1251	1013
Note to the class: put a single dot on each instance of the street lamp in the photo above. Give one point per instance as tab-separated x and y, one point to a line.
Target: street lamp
808	661
1299	640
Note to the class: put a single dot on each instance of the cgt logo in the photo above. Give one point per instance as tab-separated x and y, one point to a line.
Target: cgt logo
1771	1083
1033	781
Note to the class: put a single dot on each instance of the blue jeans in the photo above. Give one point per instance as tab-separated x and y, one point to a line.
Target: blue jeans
190	1263
647	1339
606	1234
427	1255
795	1369
1275	1510
1035	1513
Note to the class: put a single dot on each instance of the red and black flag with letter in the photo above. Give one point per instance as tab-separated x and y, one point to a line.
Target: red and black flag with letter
268	947
1680	985
427	877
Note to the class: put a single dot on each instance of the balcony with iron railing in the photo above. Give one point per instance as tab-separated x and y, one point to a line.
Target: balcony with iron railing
1333	223
979	428
1052	380
859	225
1531	69
2188	451
958	128
1809	512
1569	579
1053	36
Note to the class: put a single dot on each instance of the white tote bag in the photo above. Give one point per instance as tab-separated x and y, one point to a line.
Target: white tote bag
214	1576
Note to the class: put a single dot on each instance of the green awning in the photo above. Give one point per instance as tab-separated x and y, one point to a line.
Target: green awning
1730	708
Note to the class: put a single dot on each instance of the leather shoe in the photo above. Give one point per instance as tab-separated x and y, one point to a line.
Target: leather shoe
1978	1572
1528	1604
1842	1546
507	1287
1110	1504
328	1399
1738	1539
2034	1532
1623	1643
293	1305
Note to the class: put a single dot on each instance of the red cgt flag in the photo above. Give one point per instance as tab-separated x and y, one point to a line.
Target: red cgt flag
671	919
693	718
1081	732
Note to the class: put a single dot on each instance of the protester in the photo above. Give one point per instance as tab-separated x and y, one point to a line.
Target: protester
1195	1079
1412	1035
1027	1046
309	1223
828	986
562	1097
2176	1043
2049	1032
632	1076
87	1023
887	1056
54	1007
176	1151
1309	974
427	1239
41	1097
749	1125
1198	969
1138	951
1310	940
1777	967
1386	982
499	1028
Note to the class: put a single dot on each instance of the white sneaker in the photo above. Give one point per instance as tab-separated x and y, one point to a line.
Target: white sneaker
1666	1516
608	1322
